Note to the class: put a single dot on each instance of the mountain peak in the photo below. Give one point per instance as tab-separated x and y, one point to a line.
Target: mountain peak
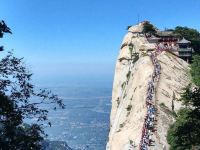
146	77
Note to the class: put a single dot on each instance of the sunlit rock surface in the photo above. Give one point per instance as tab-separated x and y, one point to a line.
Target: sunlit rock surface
130	87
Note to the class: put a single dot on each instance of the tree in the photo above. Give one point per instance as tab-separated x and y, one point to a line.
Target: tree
148	28
185	132
16	91
15	134
186	32
3	29
195	70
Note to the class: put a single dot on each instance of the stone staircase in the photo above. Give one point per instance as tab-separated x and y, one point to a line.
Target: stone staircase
149	126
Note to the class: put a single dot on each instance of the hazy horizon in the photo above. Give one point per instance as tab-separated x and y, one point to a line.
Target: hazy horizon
81	39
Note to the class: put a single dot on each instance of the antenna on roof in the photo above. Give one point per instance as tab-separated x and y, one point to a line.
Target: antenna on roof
138	17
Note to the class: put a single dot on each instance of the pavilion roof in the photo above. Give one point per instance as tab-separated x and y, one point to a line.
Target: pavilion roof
183	41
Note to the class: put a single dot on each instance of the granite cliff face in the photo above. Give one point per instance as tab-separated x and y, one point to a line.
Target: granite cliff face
134	69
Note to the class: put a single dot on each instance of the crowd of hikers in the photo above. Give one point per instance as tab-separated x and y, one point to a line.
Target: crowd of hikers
163	47
149	123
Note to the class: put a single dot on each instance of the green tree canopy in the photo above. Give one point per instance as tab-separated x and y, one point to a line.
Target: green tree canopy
149	28
186	32
185	132
195	70
16	91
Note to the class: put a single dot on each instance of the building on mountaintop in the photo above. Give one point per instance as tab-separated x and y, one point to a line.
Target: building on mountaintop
168	40
185	50
166	36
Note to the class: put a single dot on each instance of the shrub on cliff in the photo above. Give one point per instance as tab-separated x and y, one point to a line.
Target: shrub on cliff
149	28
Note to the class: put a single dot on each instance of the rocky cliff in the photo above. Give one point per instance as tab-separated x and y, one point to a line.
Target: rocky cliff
135	70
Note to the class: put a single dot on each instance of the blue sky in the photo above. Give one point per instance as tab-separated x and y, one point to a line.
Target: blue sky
81	38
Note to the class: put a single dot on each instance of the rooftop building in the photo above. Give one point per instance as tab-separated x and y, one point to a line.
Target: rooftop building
185	50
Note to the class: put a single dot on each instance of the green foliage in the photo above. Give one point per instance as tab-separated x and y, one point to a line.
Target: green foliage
128	27
131	47
190	34
173	113
130	50
118	102
136	57
195	43
167	110
191	97
131	142
128	75
121	125
123	85
174	96
186	32
144	54
15	134
129	108
16	91
124	95
3	29
131	98
162	105
185	132
149	28
195	70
